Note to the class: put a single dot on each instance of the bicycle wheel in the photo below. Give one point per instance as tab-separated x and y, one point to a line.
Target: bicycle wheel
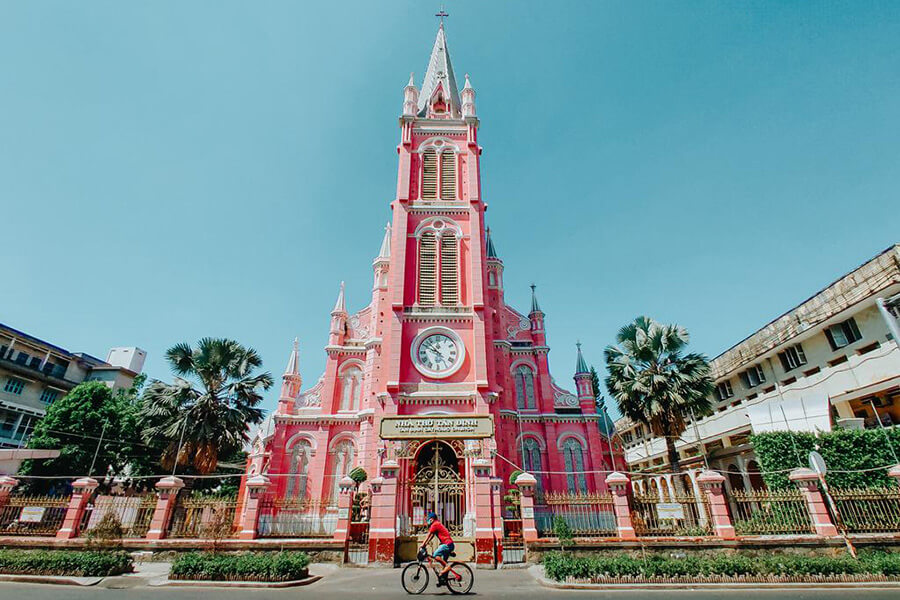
460	578
414	578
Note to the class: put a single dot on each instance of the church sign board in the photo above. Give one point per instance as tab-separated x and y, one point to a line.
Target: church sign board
455	426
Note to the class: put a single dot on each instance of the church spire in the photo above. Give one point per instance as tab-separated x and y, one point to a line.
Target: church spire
439	78
491	250
291	381
293	366
535	307
385	252
339	307
581	367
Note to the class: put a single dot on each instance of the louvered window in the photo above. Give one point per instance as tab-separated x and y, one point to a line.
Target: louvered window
449	268
429	174
448	175
427	268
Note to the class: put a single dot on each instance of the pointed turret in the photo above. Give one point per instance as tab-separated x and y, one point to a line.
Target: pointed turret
468	99
410	98
583	384
385	252
491	250
536	316
291	382
535	307
440	94
382	263
338	321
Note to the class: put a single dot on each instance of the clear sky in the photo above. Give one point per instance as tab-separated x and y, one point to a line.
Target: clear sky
177	169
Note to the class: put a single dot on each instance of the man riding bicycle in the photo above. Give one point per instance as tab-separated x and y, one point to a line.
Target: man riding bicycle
444	550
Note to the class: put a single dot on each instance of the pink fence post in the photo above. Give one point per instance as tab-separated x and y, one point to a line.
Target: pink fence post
81	494
167	490
526	483
346	487
895	473
256	488
484	513
383	515
7	485
712	484
619	485
808	482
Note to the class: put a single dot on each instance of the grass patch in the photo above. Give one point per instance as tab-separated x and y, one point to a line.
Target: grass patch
65	562
246	566
561	566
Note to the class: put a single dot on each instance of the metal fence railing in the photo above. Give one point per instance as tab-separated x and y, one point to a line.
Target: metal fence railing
584	514
33	515
680	515
870	510
770	512
132	513
204	517
296	518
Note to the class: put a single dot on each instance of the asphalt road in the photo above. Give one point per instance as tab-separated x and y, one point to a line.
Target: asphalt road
359	584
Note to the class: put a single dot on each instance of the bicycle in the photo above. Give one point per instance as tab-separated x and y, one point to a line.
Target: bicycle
415	575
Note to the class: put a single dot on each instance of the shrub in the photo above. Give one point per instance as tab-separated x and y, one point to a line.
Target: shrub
562	530
562	565
247	566
65	562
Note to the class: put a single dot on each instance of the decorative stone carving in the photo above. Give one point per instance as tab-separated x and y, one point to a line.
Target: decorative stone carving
565	400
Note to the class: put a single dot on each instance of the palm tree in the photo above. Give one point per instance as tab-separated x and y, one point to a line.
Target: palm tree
654	383
207	410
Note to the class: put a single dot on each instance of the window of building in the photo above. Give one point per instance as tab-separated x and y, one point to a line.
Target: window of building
25	427
48	396
8	420
298	470
531	459
427	268
843	334
492	278
341	465
524	377
573	456
14	385
22	358
449	270
448	175
351	389
429	174
792	358
724	390
753	376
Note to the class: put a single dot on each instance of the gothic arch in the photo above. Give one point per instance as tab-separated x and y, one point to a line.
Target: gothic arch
341	437
302	435
440	226
440	144
571	434
529	435
349	363
522	362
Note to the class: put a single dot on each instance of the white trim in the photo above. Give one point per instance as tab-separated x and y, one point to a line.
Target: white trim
305	435
425	333
570	434
530	434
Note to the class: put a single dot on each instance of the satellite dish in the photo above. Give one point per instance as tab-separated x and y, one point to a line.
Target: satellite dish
817	463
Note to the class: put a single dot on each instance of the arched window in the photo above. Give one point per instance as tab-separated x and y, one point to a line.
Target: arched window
429	174
427	268
524	377
351	379
531	459
298	470
448	175
573	455
342	463
449	270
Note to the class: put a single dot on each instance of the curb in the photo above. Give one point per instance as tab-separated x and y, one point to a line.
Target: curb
237	584
624	587
51	580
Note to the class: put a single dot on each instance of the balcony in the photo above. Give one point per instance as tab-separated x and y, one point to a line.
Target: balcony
30	367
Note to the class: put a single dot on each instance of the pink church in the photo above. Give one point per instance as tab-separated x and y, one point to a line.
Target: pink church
436	384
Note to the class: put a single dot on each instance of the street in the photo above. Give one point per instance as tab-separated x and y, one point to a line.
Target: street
385	583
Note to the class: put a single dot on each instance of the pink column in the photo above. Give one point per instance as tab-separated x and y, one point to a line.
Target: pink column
81	494
256	489
383	515
167	490
7	485
620	485
484	513
808	482
346	487
526	484
712	484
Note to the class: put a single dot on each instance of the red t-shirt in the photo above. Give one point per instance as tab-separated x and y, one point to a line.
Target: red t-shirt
441	532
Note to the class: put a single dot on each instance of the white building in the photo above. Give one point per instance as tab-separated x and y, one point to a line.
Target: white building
832	361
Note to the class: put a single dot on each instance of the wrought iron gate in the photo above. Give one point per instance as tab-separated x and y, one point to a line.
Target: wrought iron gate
438	487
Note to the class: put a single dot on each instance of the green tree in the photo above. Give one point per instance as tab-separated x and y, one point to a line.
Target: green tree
214	398
595	382
654	382
75	424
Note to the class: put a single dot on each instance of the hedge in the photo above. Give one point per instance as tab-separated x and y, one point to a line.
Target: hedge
65	562
247	566
843	450
560	566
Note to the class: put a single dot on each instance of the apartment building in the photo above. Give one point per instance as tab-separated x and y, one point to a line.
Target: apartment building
35	373
832	361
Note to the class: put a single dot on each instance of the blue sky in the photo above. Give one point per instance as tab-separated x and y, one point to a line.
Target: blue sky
176	169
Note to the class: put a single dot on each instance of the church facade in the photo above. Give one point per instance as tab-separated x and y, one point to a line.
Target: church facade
437	381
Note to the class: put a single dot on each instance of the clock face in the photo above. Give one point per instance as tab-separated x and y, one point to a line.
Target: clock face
437	353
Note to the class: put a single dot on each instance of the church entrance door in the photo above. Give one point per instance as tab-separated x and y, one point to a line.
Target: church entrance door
437	486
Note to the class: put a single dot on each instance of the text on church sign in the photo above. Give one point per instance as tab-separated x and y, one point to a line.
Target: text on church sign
474	426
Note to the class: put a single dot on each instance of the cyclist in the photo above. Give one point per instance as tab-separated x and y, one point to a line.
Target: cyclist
444	550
